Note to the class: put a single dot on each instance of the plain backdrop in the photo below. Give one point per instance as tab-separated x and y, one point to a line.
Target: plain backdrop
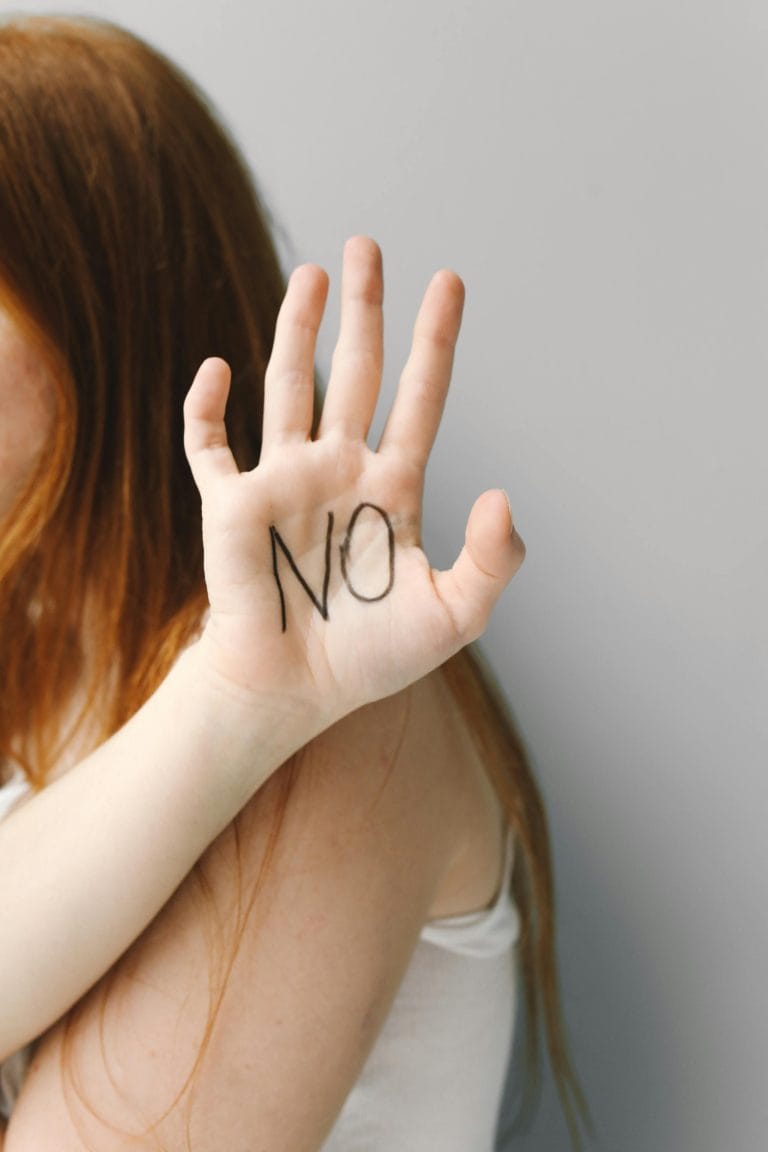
597	173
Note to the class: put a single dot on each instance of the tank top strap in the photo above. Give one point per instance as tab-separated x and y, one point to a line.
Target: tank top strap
484	934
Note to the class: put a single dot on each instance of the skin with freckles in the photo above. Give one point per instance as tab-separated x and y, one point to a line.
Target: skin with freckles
262	754
27	404
322	605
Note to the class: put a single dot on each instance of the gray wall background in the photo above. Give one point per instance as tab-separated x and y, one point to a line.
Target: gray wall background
597	172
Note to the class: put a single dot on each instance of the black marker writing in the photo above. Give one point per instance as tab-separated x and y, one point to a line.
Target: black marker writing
321	605
344	550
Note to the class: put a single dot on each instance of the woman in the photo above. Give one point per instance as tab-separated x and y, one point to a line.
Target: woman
255	870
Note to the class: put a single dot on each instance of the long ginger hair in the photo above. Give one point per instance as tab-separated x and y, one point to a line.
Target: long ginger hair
133	245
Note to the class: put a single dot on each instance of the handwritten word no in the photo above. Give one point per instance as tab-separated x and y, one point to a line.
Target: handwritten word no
321	602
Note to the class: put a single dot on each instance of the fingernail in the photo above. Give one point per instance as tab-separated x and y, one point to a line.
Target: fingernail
509	506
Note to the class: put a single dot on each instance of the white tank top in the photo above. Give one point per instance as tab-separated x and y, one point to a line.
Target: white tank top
14	1068
434	1078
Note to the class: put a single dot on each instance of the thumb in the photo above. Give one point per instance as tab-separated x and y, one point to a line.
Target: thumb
492	554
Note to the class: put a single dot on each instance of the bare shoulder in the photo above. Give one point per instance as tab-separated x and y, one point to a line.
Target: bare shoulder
472	879
412	767
383	824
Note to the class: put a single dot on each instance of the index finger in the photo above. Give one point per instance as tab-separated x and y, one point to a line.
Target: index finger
413	422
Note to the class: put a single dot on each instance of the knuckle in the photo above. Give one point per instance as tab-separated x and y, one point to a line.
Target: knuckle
440	334
427	389
355	360
293	379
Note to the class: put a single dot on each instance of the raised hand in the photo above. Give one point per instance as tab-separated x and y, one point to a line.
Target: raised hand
321	596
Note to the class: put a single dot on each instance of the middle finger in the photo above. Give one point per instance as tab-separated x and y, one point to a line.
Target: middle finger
353	387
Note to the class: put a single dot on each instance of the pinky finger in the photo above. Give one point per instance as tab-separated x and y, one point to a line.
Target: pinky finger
205	435
492	554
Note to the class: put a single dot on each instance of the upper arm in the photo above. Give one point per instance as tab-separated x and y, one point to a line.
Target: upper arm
367	835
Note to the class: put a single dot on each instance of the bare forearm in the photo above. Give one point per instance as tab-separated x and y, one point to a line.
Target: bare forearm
86	864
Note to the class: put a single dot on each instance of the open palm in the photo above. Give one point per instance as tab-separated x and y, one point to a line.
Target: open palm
320	593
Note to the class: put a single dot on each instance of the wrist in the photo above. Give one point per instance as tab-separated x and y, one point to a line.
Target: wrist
253	727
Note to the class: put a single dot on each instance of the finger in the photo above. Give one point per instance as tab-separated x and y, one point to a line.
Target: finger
412	424
205	436
492	553
289	382
353	388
